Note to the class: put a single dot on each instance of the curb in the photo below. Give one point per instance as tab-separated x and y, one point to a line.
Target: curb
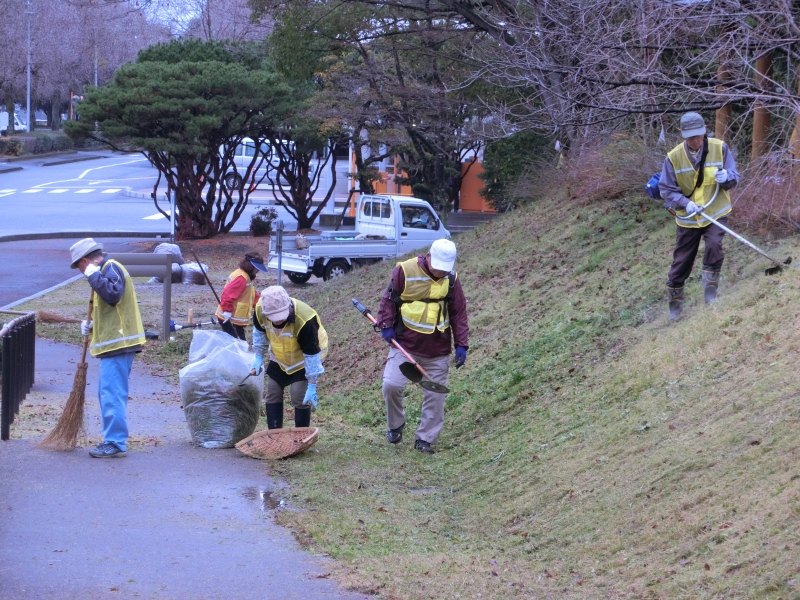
71	160
60	235
9	170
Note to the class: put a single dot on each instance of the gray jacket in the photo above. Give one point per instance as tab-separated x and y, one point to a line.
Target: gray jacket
671	191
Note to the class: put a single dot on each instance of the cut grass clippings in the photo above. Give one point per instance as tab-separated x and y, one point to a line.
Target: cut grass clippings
591	448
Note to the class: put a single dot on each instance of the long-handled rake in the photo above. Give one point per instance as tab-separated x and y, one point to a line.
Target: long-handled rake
412	370
64	435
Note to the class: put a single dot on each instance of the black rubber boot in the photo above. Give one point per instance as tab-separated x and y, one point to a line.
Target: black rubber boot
675	297
275	415
302	417
710	284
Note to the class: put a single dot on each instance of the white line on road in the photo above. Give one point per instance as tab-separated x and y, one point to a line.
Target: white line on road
6	192
87	171
34	191
113	191
61	191
86	191
155	217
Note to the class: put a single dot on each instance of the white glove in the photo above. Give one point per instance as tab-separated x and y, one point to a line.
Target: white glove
721	176
227	316
691	207
91	269
86	327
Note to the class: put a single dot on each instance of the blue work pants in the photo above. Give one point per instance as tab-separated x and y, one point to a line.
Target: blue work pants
113	394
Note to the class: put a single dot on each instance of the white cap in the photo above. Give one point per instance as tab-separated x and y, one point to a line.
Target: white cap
80	249
275	303
443	255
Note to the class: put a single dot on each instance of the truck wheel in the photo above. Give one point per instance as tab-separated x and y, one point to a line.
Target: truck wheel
335	268
232	181
298	277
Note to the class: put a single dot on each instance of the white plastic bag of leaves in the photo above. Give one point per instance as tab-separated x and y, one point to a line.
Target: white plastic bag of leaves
218	411
177	275
173	249
192	273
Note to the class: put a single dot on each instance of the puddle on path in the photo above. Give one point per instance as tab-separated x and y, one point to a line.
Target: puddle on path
266	500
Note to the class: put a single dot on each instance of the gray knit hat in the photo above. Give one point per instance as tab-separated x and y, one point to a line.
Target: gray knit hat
275	303
80	249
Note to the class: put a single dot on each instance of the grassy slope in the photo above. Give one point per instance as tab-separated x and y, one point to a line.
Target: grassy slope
591	449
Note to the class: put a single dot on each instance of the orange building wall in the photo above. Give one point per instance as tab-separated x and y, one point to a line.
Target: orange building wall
470	199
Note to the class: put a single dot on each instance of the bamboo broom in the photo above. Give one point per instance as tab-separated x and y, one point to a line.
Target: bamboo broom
64	435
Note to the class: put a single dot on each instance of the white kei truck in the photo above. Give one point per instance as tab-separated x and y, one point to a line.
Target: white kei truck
386	227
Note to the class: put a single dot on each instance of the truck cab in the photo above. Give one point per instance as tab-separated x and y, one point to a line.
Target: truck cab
409	220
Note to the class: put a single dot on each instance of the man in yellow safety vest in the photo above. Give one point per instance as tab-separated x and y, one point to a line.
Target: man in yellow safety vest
239	297
422	306
696	176
117	335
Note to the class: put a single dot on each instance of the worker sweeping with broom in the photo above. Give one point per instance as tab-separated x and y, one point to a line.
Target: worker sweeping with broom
117	335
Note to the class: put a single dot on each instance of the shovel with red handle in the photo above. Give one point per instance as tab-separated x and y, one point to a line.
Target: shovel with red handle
411	369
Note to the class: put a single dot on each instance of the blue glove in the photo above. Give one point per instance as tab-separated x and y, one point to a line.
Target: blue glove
311	396
258	364
388	334
461	356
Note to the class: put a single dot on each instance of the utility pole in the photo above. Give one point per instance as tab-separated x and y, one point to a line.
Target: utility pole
28	95
95	56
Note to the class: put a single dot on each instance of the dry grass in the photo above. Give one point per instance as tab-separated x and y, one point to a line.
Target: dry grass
591	449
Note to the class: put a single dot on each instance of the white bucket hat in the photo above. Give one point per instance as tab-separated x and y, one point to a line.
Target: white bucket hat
443	255
80	249
275	303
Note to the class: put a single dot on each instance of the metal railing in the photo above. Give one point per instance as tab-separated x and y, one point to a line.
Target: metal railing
17	363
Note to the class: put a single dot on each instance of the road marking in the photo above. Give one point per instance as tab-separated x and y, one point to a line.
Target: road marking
112	191
86	191
61	191
34	191
6	192
155	217
87	171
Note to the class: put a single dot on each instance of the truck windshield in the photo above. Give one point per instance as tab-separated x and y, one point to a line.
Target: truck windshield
418	217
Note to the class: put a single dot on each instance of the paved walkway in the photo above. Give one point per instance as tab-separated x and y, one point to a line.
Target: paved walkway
168	522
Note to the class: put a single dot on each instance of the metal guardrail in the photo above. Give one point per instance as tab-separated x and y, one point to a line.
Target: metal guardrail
17	364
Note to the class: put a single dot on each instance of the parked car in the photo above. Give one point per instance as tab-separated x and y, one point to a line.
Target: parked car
18	125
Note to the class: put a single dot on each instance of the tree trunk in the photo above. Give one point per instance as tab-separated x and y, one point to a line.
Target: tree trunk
761	116
10	110
55	113
723	121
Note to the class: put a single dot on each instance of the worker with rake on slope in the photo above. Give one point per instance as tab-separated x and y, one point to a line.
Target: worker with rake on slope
696	175
117	335
239	297
297	345
420	308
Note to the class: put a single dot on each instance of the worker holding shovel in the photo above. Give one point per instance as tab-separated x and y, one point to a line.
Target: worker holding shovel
298	343
696	176
117	335
425	310
239	297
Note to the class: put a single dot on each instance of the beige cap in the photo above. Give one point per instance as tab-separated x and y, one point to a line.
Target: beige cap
80	249
692	124
443	255
275	303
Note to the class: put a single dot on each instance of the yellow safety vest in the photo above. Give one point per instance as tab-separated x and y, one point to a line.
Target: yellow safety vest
420	310
686	176
283	346
120	326
244	303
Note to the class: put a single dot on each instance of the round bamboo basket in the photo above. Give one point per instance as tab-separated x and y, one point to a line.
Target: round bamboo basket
278	443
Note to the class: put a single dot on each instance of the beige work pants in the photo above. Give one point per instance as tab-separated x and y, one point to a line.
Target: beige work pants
394	383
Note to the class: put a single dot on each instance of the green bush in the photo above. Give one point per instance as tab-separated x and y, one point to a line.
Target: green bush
261	222
10	146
